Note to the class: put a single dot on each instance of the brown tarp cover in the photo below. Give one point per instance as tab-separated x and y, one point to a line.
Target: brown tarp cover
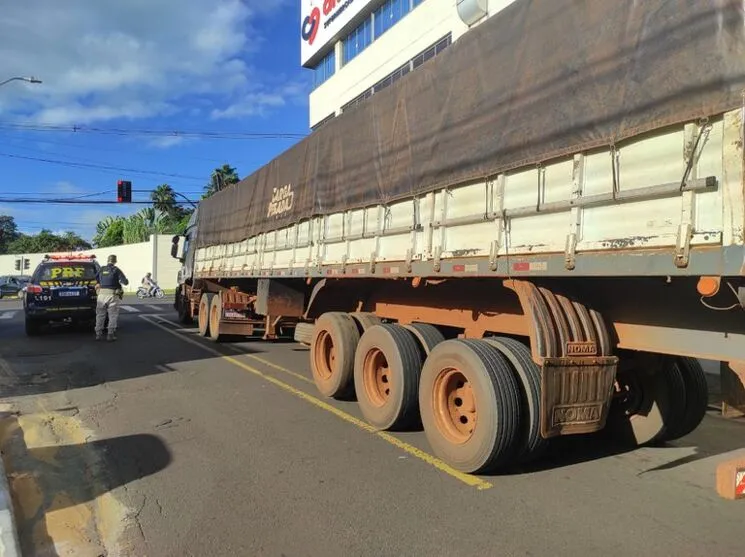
543	78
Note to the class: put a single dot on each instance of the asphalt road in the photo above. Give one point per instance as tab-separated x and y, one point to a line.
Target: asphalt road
163	444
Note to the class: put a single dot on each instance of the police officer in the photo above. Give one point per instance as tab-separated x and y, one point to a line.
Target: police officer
110	280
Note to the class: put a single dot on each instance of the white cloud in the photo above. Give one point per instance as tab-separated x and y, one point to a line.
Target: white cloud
135	59
167	141
257	104
67	188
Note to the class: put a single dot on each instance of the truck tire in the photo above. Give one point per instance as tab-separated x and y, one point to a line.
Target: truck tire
696	399
531	444
183	306
428	336
387	366
203	319
365	320
334	342
651	402
465	382
304	333
215	315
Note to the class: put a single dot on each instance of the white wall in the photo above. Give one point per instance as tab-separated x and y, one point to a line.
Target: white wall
419	29
133	259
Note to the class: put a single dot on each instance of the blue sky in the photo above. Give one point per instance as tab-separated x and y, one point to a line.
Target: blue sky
224	66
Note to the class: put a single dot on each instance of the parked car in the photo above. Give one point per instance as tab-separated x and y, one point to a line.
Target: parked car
12	286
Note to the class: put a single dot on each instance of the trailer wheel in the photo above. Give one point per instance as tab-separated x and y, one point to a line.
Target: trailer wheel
387	365
365	320
204	314
303	333
696	398
649	400
531	444
334	341
428	336
469	400
183	305
215	314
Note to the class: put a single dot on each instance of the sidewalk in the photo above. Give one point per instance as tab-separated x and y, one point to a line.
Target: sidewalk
9	544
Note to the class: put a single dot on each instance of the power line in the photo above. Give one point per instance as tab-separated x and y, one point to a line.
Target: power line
41	127
68	144
73	201
101	167
106	192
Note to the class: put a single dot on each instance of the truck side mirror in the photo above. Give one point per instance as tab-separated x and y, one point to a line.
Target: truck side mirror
176	247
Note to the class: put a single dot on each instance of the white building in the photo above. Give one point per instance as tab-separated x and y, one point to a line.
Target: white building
357	47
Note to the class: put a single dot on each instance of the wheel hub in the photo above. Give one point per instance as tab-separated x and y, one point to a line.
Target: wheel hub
454	405
376	376
324	355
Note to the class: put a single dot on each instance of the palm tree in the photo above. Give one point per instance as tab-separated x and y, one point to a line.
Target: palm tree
109	232
164	200
221	178
147	221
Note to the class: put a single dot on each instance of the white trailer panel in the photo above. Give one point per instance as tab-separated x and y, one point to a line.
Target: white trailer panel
669	191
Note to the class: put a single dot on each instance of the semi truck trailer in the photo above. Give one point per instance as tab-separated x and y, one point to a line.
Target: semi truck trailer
538	233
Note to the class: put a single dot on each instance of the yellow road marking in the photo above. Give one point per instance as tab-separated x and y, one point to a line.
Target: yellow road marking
468	479
280	368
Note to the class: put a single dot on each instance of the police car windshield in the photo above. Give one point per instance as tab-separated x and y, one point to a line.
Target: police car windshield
66	271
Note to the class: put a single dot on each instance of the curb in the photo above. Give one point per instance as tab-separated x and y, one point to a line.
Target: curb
9	544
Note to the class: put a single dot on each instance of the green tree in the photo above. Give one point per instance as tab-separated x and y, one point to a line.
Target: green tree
8	232
47	242
164	200
109	232
147	221
221	178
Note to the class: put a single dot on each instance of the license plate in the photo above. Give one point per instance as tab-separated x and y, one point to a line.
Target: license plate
69	293
233	314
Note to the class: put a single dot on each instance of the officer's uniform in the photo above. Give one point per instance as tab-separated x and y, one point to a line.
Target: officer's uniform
110	280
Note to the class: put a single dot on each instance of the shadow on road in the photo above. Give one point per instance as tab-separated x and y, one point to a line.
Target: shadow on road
62	493
65	358
715	436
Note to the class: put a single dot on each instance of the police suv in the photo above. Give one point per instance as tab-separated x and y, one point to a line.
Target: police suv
62	289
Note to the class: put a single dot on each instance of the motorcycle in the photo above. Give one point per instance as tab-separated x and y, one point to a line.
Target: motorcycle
144	292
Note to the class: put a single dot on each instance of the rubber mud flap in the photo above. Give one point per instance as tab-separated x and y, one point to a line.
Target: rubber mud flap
576	394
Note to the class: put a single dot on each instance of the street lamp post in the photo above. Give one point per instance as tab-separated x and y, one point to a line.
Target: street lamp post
19	78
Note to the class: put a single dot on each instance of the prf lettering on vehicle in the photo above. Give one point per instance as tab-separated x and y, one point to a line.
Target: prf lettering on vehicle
281	201
67	272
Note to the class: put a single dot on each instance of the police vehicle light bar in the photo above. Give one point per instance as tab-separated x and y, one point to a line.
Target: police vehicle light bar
68	257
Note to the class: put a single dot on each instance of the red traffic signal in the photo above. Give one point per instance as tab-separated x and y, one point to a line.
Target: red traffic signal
124	191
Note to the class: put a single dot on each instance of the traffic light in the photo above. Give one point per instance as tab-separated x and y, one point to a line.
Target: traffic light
26	264
18	264
124	191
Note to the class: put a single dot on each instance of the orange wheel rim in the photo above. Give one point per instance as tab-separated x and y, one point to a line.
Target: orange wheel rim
203	317
324	355
214	319
454	406
376	376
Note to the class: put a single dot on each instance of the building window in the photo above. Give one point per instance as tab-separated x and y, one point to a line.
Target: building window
358	40
325	69
397	74
431	52
390	13
324	121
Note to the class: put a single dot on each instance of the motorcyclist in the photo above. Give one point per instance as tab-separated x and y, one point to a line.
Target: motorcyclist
109	287
149	284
